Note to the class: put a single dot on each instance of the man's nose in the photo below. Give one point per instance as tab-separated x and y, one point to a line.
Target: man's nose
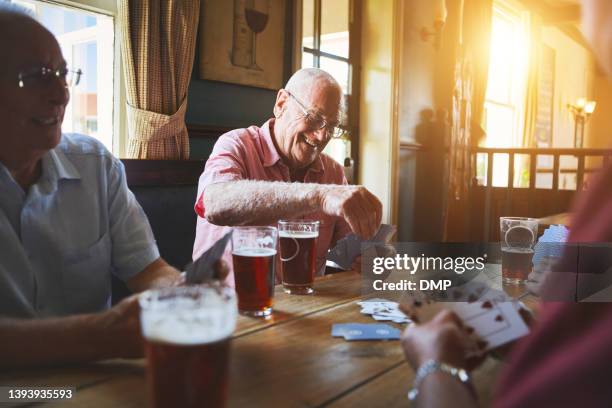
320	134
58	93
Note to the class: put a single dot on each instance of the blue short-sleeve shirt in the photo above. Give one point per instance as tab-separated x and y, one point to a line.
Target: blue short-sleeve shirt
61	240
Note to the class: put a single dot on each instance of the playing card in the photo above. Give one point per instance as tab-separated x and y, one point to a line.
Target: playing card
497	325
371	331
383	310
339	329
349	248
496	322
200	270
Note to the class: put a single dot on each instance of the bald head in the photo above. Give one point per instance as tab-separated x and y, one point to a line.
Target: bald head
16	26
304	81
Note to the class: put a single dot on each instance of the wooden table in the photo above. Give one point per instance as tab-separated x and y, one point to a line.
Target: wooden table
289	360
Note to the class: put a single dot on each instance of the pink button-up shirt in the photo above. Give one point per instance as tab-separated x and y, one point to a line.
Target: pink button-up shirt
250	154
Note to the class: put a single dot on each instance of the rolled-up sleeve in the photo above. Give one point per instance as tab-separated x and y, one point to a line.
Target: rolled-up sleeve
226	163
133	243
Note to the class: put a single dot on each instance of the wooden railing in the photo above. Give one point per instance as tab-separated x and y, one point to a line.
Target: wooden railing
541	201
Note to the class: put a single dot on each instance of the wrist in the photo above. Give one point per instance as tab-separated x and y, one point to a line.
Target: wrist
435	367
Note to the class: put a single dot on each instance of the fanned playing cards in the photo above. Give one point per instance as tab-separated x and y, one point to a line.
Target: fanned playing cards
202	269
349	248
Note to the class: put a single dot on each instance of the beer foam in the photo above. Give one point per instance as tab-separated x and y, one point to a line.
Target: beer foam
298	234
254	252
187	328
187	320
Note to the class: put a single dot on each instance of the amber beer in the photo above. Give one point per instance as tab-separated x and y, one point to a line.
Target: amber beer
181	375
254	278
187	332
298	252
516	264
253	253
518	237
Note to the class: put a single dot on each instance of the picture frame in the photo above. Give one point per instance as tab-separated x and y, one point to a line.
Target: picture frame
242	42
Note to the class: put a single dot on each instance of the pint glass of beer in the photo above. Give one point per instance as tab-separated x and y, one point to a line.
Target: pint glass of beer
298	252
253	252
518	237
187	332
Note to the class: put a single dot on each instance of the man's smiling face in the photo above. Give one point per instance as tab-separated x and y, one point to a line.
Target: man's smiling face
298	140
31	115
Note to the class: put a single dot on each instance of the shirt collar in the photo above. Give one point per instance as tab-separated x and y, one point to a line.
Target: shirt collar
56	166
271	156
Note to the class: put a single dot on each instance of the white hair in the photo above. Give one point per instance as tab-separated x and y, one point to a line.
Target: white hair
305	78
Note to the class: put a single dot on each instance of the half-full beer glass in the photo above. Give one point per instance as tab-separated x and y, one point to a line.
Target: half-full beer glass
518	237
298	252
187	332
253	252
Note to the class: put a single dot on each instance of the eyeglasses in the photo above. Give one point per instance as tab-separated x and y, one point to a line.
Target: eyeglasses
40	76
316	121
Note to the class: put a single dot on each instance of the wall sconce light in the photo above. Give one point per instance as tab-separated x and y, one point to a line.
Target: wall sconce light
581	110
440	14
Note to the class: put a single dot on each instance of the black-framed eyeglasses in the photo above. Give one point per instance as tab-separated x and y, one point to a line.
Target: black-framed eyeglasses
41	76
316	121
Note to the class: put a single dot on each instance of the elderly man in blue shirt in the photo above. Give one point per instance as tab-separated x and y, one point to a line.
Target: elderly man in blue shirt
67	218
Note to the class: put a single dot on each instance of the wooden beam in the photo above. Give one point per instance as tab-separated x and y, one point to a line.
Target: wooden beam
575	34
553	15
565	14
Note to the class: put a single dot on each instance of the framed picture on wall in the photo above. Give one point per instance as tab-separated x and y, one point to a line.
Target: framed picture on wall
242	42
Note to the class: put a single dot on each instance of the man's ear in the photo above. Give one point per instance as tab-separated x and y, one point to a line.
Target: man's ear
280	104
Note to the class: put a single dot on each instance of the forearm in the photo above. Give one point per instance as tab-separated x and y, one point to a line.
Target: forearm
157	275
439	390
51	341
249	202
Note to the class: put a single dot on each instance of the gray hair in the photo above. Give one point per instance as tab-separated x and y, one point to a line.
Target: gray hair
8	9
304	78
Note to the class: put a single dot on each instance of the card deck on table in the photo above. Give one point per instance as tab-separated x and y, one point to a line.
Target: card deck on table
365	331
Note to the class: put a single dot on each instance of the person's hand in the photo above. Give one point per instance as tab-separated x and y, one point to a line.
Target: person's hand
444	339
119	329
219	272
360	208
539	274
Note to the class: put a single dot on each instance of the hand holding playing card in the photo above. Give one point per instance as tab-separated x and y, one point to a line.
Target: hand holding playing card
444	338
210	265
219	271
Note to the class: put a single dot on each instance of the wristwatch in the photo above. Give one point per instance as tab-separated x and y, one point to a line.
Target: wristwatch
431	366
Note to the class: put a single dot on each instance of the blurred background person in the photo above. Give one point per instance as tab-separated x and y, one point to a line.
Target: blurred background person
566	360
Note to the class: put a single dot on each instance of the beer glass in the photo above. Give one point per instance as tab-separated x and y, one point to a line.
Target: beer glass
253	252
187	332
298	252
518	237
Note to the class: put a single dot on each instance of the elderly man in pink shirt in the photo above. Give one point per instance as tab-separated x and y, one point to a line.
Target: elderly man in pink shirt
259	175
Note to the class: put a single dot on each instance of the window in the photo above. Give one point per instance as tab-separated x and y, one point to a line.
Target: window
504	113
87	42
325	45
